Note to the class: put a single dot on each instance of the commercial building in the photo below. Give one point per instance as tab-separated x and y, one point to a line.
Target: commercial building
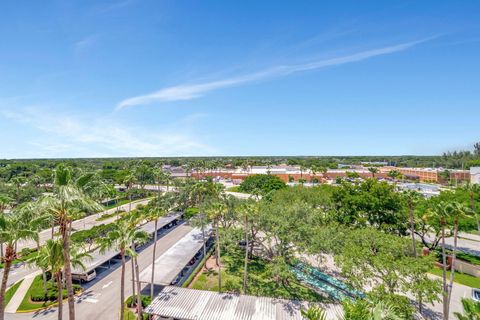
475	175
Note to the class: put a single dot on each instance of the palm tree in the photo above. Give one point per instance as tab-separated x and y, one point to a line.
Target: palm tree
5	202
214	209
412	197
50	257
121	238
40	220
471	310
383	311
394	174
66	203
447	212
373	171
158	208
13	227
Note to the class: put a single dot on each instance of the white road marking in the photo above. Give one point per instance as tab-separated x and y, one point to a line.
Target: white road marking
107	285
90	300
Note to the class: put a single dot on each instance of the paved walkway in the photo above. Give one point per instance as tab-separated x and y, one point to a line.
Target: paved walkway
21	292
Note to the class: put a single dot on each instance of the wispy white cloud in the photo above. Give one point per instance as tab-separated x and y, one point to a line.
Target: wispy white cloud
192	91
85	43
67	134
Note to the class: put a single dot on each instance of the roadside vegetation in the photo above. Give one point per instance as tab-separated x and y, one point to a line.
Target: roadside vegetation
364	233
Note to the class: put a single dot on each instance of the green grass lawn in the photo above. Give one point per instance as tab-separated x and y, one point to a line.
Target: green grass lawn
36	289
116	204
260	282
109	215
11	291
460	278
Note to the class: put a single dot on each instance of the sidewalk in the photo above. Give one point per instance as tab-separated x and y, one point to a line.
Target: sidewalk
20	293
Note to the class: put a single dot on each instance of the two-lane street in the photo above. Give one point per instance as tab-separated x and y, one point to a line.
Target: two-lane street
100	299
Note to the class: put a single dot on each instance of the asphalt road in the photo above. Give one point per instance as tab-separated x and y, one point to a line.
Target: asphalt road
82	224
100	299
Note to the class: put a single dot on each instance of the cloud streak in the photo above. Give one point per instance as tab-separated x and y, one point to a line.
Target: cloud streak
75	135
192	91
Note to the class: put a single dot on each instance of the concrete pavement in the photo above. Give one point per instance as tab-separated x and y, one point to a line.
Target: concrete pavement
20	293
100	299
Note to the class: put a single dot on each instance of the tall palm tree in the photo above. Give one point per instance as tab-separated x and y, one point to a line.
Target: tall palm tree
471	310
121	238
50	257
456	210
157	209
447	212
40	220
5	202
66	203
13	227
214	209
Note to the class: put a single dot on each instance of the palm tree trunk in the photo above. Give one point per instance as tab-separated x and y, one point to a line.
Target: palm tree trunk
218	259
67	268
1	252
153	259
44	274
412	231
204	242
245	272
58	277
133	272
444	275
122	286
452	267
139	294
9	254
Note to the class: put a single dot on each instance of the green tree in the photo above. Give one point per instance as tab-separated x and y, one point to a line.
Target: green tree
50	257
263	182
13	227
215	209
158	208
373	171
121	238
67	202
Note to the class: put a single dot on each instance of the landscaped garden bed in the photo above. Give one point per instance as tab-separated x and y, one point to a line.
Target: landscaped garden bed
35	297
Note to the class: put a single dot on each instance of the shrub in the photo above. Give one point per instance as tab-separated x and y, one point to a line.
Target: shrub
190	212
145	301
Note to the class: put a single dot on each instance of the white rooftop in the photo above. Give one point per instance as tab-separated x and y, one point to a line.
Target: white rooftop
190	304
171	262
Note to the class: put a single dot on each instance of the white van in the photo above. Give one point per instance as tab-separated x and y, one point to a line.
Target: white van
84	277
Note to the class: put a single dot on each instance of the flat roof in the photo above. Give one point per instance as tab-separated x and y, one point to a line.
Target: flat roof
172	261
149	227
188	304
99	258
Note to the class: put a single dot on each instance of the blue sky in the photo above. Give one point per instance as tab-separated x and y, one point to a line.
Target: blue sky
177	78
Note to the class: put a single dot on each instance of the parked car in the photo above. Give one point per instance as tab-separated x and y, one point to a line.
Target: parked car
476	294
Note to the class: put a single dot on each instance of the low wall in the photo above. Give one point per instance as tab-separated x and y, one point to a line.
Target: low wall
467	268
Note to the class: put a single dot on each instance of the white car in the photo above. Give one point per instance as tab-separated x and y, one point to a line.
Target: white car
476	294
